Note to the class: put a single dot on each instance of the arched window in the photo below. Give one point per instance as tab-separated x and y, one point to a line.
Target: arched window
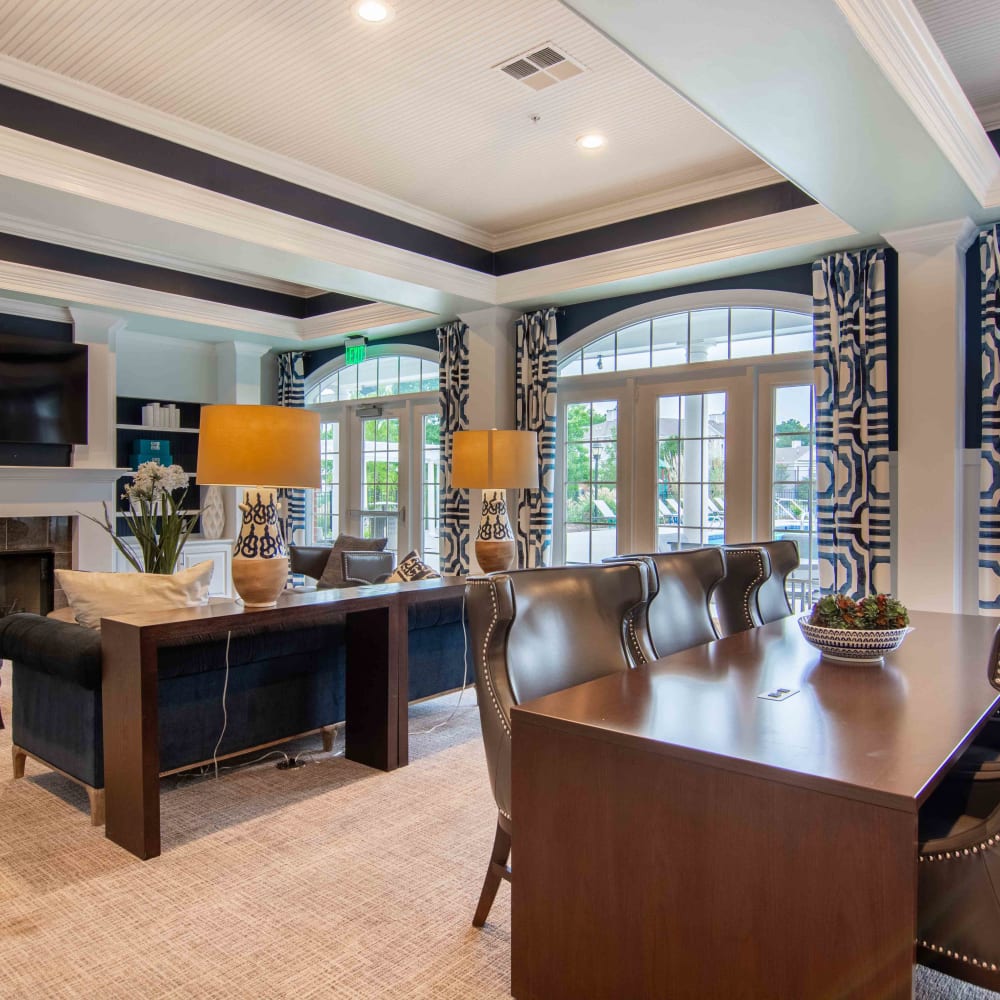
689	421
685	337
380	449
394	374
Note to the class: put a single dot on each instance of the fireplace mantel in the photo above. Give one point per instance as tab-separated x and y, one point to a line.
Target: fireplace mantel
65	491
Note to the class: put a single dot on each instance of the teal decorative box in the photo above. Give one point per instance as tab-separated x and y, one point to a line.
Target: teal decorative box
150	450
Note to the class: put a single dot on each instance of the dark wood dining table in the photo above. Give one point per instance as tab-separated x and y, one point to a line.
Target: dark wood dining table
679	834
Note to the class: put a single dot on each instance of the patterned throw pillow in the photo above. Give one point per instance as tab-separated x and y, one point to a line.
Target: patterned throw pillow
411	568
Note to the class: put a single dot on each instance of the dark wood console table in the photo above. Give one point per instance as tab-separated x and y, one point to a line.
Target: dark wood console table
376	686
675	835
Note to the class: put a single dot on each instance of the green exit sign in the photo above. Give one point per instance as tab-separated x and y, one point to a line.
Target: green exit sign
354	350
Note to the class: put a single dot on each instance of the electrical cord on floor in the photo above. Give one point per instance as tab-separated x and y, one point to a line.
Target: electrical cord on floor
206	771
225	713
465	681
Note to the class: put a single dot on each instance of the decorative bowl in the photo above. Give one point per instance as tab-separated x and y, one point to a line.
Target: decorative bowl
848	645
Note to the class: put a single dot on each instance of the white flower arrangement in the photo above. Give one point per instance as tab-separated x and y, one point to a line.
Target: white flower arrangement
155	518
152	480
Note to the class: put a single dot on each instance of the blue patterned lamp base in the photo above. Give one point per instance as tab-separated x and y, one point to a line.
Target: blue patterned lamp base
495	549
260	557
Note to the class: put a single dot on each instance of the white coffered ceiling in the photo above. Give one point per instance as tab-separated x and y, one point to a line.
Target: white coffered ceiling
414	109
968	34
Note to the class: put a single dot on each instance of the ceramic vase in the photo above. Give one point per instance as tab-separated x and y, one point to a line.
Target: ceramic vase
213	514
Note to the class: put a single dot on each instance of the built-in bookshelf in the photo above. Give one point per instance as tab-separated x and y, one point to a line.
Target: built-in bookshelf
183	445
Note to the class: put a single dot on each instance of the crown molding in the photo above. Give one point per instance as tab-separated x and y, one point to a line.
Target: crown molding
989	115
40	161
107	295
956	234
690	193
799	226
127	298
360	319
93	100
35	310
897	39
61	236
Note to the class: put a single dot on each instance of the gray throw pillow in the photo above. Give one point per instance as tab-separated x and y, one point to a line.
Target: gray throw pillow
333	572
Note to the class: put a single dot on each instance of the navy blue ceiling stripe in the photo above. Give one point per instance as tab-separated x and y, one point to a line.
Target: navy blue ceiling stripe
53	257
330	302
80	130
738	207
49	120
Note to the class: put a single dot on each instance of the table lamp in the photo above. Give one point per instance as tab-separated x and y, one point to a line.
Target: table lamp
273	445
494	461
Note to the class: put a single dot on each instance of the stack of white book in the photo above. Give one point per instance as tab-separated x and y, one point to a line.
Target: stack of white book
161	415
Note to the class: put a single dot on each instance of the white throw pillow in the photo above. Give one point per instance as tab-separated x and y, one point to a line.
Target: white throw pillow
411	567
94	596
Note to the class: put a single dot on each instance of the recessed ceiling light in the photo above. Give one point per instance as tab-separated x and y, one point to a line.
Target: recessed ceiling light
591	140
373	11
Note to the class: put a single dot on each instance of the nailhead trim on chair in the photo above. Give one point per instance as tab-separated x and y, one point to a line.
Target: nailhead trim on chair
636	648
965	852
760	576
980	963
486	646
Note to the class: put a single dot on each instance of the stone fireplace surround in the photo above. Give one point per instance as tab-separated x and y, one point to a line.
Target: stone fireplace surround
39	508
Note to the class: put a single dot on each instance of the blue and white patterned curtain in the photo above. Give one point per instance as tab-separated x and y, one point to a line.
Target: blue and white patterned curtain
535	410
989	455
453	345
852	423
292	392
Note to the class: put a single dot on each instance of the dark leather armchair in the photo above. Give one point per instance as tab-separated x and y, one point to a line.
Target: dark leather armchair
753	590
367	567
958	906
311	560
537	631
679	612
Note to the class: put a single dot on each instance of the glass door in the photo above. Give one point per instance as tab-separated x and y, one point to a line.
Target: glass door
788	478
326	500
690	470
381	513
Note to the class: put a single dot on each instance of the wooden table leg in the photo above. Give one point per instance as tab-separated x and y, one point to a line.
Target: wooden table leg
131	740
372	687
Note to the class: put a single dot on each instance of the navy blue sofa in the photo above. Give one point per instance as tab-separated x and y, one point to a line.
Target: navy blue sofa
283	683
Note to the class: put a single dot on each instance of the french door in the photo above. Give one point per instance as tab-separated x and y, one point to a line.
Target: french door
648	463
380	475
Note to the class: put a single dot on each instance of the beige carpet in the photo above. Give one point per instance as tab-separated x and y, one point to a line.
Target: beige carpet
327	881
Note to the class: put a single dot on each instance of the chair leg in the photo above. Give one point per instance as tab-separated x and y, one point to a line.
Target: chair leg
328	733
19	757
495	873
96	796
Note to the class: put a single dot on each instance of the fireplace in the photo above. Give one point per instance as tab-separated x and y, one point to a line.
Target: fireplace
26	581
30	549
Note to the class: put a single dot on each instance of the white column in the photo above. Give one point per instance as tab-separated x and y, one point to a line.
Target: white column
238	377
238	372
929	492
491	391
98	330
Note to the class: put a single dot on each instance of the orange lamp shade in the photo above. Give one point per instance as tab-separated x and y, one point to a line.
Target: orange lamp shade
494	460
242	445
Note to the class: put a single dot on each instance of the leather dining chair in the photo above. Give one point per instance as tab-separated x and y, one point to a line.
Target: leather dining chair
537	631
958	907
753	590
680	614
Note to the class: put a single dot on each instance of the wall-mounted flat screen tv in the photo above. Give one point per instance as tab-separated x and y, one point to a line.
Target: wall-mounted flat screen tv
43	391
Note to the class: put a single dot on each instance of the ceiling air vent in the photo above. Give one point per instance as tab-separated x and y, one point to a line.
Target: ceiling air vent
541	67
